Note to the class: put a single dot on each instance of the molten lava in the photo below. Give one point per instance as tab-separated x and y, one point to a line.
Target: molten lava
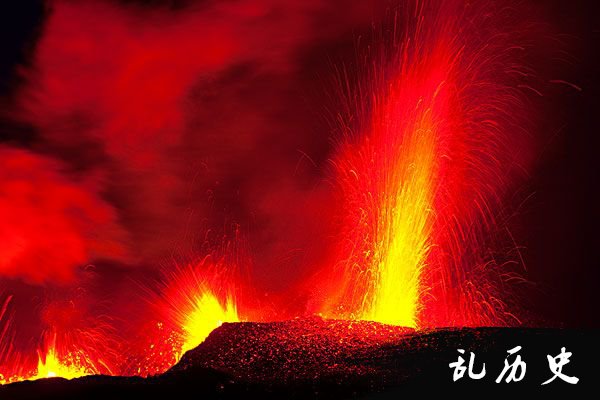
51	366
196	300
422	170
391	183
188	304
206	314
401	241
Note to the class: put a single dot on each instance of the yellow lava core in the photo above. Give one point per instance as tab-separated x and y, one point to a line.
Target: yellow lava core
207	314
52	367
402	240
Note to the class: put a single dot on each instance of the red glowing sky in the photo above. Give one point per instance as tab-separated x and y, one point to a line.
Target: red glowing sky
182	122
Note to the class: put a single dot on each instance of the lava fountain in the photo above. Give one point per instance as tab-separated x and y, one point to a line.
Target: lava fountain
433	138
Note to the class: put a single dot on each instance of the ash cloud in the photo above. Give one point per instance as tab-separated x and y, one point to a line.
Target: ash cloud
188	119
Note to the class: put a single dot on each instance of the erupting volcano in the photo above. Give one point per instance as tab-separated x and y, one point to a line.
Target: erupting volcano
168	174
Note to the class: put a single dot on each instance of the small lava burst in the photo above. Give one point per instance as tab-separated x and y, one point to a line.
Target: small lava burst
197	300
189	303
73	344
50	366
206	315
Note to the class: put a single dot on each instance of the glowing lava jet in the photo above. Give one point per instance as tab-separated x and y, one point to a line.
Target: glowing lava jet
391	178
73	343
190	303
52	365
205	314
427	155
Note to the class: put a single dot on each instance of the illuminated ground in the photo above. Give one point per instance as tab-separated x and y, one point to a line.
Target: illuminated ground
339	359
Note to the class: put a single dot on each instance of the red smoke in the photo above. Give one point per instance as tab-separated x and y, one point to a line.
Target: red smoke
192	114
51	225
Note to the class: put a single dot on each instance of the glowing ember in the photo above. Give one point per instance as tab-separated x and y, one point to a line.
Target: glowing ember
301	348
